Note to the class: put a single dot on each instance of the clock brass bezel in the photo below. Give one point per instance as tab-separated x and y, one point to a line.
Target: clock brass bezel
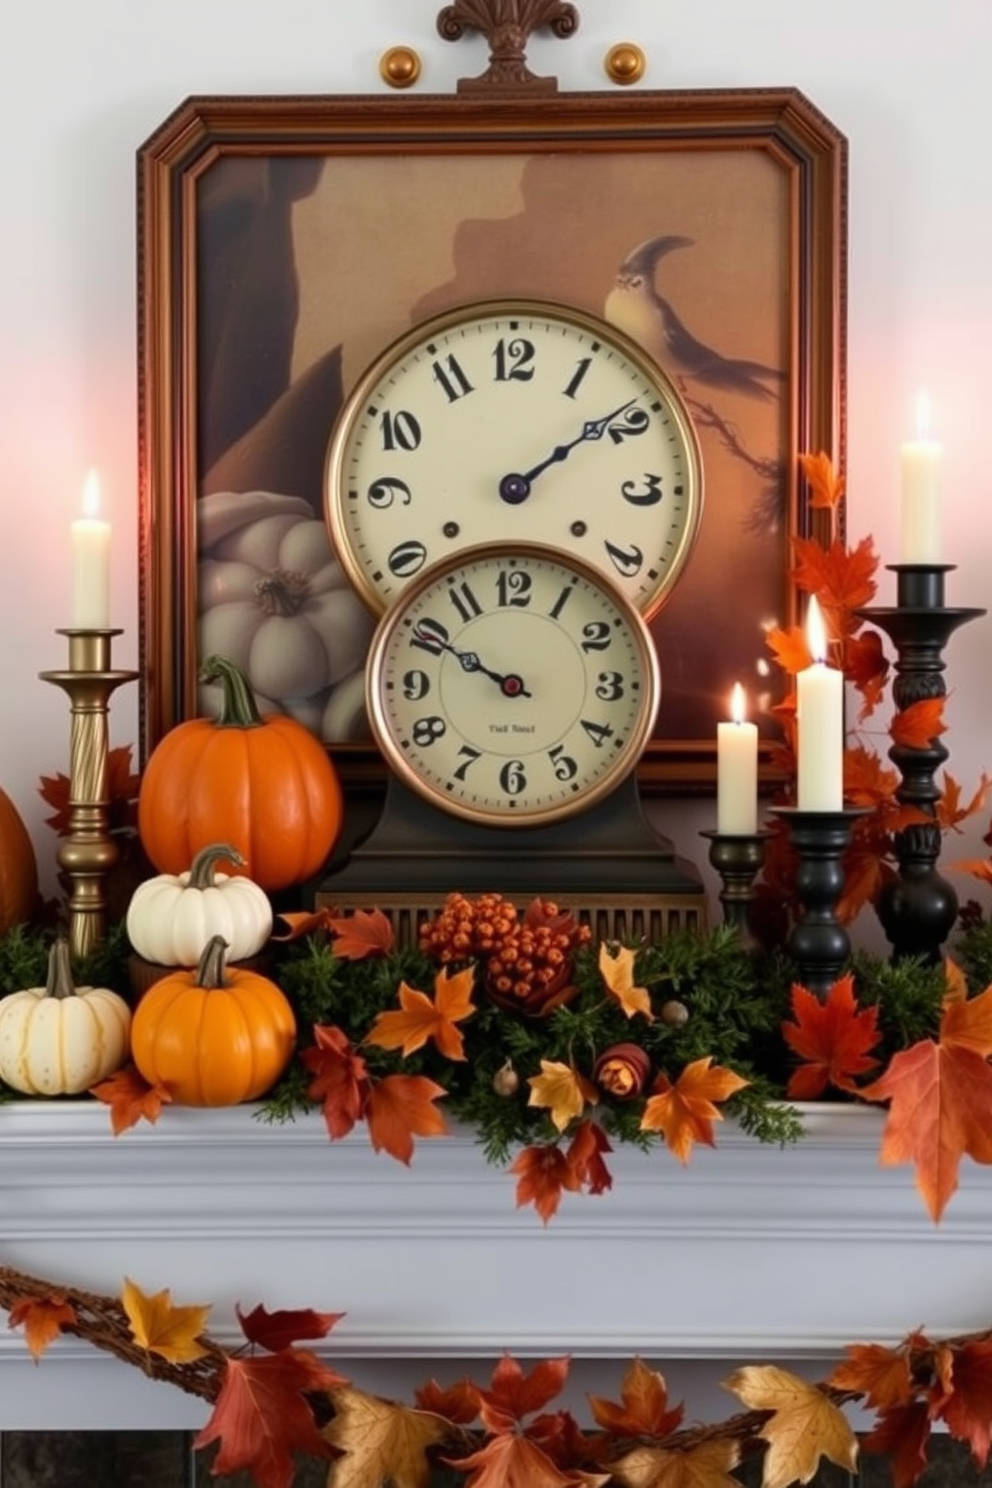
381	369
620	767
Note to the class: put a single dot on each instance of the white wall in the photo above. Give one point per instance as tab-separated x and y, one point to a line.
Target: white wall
81	87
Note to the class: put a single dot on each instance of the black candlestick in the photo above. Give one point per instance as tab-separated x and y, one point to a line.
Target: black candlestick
819	944
738	857
917	909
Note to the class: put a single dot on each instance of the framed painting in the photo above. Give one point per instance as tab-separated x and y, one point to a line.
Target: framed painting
285	242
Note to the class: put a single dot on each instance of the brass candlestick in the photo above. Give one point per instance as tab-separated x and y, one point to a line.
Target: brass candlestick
738	857
88	852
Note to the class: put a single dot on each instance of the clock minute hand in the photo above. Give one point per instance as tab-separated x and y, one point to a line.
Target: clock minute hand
511	684
515	488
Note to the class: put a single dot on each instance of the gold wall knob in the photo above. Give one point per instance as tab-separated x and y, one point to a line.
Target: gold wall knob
399	67
625	63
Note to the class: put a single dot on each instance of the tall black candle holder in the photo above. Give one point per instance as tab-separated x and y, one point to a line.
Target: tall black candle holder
819	945
738	857
917	909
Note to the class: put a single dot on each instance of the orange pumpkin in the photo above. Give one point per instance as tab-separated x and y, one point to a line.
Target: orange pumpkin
18	868
214	1036
264	784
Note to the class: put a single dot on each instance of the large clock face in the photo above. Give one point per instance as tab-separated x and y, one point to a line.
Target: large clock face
514	420
512	685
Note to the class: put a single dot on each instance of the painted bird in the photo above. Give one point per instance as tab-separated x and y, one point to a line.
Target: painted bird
635	306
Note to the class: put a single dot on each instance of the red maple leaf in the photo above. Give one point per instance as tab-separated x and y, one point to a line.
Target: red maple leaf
949	810
882	1375
865	664
131	1099
362	933
843	580
512	1394
261	1416
902	1435
544	1173
585	1157
458	1403
516	1457
281	1329
832	1037
340	1079
42	1319
917	726
643	1410
940	1095
401	1107
967	1410
121	793
513	1462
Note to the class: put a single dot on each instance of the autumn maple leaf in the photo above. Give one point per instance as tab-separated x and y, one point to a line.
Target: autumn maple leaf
842	579
902	1435
340	1079
513	1462
949	811
643	1408
684	1112
832	1037
866	666
826	484
803	1427
131	1099
616	967
882	1375
286	1326
121	793
361	933
261	1416
420	1019
515	1457
563	1090
940	1095
400	1107
458	1403
707	1465
171	1332
585	1157
967	1409
544	1173
917	726
42	1319
514	1393
790	649
381	1442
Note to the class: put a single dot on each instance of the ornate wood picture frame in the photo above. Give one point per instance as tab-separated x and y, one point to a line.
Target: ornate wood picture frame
283	242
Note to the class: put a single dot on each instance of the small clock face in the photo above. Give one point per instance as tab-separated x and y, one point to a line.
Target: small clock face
512	685
514	420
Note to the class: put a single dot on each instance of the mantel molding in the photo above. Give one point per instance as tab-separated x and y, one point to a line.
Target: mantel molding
759	1252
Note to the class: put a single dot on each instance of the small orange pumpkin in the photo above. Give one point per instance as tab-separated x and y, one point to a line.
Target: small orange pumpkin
214	1036
18	868
264	784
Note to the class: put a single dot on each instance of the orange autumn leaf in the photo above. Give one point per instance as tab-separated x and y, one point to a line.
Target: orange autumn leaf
585	1157
515	1393
382	1442
917	726
804	1426
826	484
643	1408
561	1089
401	1107
361	933
790	649
340	1079
842	579
940	1095
967	1408
708	1465
949	811
544	1174
131	1099
121	792
300	923
42	1319
881	1374
261	1417
616	967
684	1112
513	1462
420	1019
832	1038
171	1332
458	1403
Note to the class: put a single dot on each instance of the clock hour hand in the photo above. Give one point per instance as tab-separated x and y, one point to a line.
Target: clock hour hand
511	684
515	488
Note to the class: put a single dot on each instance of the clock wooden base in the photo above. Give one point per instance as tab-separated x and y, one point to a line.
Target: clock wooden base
607	865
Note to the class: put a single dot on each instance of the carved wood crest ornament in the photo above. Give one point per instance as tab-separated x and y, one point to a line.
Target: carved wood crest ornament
507	25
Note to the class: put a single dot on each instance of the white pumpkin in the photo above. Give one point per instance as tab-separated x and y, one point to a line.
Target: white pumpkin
171	918
60	1039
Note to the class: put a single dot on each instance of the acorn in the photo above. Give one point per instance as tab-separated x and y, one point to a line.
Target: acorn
506	1081
674	1013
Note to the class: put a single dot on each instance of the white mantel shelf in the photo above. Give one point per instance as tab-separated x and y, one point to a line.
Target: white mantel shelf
750	1253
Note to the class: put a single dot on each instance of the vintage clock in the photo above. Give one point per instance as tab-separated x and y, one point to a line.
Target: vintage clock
514	420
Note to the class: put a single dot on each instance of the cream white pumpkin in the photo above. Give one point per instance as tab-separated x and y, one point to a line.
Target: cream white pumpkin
60	1039
172	918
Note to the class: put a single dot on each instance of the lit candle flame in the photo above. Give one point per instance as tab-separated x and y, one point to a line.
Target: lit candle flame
91	496
738	704
816	631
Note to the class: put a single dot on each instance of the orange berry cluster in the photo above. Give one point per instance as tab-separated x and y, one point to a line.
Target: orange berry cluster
522	959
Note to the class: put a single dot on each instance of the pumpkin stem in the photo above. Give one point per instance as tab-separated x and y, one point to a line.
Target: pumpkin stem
59	981
212	970
201	873
238	706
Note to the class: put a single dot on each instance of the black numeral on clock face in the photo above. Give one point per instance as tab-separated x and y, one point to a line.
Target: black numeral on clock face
428	730
512	778
406	559
513	588
464	601
451	379
514	359
416	685
609	686
400	431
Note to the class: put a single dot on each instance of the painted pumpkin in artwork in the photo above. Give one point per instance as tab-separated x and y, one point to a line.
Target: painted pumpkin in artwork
18	868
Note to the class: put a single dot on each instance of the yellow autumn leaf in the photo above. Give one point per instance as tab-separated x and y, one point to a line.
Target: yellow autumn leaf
617	970
684	1113
803	1427
382	1442
563	1090
707	1466
171	1332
